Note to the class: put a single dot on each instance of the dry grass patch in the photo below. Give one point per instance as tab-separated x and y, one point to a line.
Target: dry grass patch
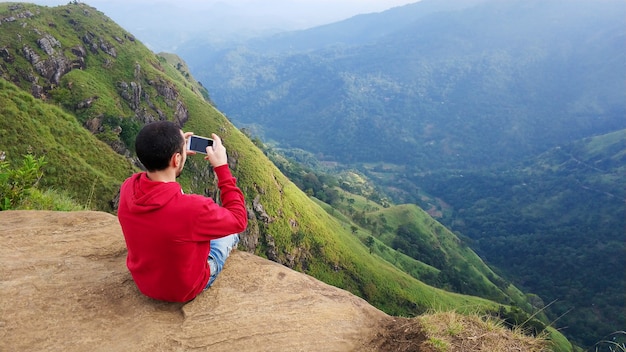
451	332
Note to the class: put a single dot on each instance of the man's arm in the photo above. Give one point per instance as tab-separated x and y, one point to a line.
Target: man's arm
232	216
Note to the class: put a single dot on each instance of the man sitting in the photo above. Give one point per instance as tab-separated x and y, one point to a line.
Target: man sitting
177	243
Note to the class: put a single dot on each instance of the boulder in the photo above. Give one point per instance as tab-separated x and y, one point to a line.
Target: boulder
65	287
47	44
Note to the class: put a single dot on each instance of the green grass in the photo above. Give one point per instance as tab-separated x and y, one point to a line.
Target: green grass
382	222
49	200
77	162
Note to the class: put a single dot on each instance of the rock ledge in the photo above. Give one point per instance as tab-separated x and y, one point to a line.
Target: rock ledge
65	287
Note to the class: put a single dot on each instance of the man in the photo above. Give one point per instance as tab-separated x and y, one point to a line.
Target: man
177	243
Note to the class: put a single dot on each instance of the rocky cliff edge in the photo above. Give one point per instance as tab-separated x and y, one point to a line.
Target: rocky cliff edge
64	287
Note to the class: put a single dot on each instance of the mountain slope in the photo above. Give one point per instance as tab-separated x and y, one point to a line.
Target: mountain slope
106	81
75	159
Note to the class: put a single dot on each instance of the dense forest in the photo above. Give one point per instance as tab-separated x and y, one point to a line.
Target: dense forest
555	225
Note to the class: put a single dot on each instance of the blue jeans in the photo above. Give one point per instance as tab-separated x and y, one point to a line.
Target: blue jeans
220	250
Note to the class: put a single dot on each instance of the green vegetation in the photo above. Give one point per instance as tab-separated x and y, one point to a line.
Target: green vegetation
16	183
77	163
18	187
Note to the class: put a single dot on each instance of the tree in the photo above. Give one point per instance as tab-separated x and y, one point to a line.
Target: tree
369	242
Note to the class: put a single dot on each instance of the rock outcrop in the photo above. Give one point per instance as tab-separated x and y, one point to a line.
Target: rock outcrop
64	287
52	51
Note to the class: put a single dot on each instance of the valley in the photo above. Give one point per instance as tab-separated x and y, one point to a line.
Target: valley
504	120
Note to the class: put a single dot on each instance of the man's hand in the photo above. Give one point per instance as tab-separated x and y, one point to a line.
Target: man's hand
216	154
187	135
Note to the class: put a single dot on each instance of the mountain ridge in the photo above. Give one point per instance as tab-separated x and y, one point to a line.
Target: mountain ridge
362	28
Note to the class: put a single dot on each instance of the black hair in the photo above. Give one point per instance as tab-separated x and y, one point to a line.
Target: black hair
157	142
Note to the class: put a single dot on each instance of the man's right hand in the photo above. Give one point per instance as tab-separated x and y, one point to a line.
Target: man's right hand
216	154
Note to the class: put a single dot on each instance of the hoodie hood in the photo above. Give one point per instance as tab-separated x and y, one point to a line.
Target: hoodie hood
148	195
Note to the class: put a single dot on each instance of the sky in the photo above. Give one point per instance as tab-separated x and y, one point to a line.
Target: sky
161	24
336	9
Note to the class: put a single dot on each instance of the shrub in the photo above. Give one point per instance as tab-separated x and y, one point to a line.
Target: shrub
16	183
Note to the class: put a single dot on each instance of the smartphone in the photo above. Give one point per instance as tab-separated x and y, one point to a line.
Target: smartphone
198	144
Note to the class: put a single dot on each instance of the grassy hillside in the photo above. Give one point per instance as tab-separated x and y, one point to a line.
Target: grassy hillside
414	242
77	163
96	86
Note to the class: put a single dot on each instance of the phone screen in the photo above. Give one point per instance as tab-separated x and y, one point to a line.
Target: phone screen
199	144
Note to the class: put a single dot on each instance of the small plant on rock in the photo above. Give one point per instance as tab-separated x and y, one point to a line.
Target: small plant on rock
16	182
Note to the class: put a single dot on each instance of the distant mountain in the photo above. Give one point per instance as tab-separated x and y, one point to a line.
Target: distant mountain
440	102
358	30
456	88
75	88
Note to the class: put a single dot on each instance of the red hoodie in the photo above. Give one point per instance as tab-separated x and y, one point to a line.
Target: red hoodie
168	233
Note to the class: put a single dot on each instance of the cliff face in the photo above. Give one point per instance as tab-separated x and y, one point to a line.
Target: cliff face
65	287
